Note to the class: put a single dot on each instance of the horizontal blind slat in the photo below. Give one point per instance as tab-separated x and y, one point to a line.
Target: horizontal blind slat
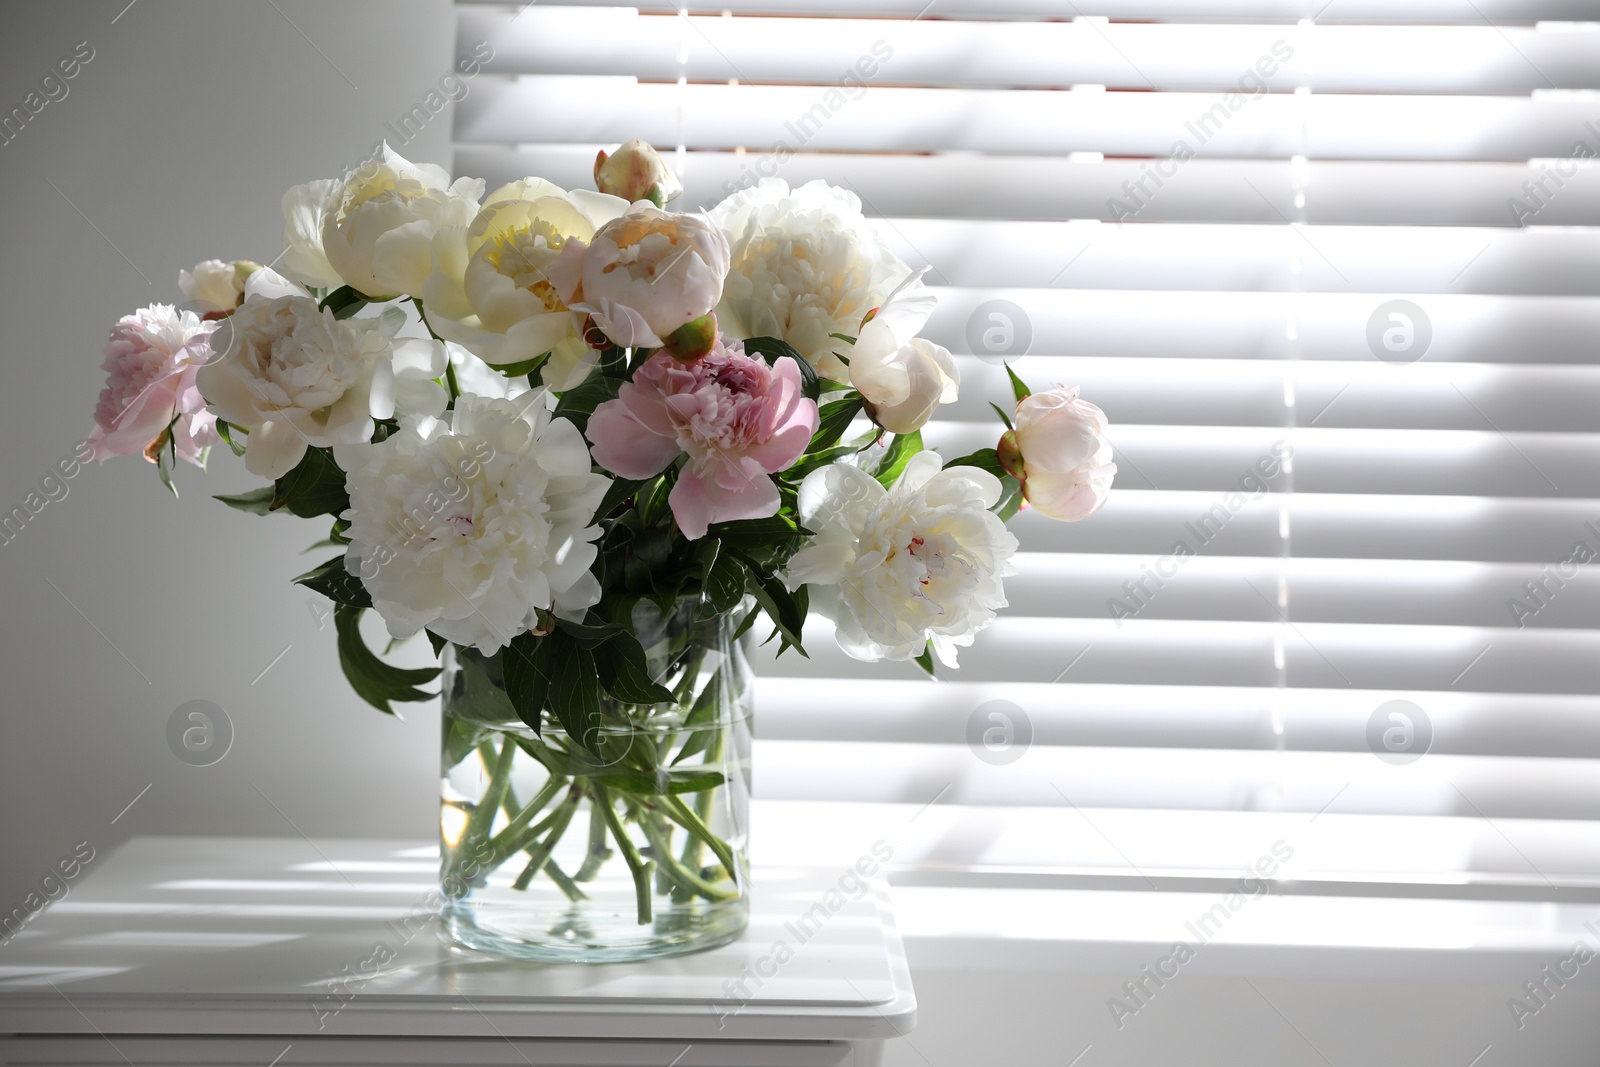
1206	323
1202	190
1366	395
542	108
1438	785
1326	526
1507	12
850	52
1534	725
1216	652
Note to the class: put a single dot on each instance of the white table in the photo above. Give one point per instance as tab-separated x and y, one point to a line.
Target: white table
266	951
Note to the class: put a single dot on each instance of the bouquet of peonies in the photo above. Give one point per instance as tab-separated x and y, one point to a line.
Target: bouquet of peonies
527	413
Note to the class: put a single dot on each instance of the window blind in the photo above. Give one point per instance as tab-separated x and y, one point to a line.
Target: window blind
1330	269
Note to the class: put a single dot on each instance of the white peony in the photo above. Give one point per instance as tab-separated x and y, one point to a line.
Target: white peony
214	285
303	258
806	265
903	377
896	568
489	289
378	225
470	527
295	376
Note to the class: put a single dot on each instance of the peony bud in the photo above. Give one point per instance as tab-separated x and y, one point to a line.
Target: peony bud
1010	454
214	286
1059	452
635	171
928	375
693	339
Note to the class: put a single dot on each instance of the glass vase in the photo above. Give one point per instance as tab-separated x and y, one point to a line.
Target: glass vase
630	848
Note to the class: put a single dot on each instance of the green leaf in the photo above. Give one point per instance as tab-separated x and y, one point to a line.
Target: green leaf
626	675
752	534
256	501
984	459
461	739
314	487
621	489
527	677
1019	388
815	460
591	635
375	681
663	782
522	368
846	338
779	604
772	349
478	695
1003	416
164	468
1010	498
925	661
902	446
344	302
575	695
725	582
225	431
577	404
436	641
337	584
833	419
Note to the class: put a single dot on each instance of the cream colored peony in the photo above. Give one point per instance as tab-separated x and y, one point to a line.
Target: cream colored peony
378	225
303	258
903	377
636	171
897	568
214	285
470	527
805	265
295	376
645	274
489	288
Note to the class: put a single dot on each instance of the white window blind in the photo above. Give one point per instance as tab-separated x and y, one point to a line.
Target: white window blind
1331	271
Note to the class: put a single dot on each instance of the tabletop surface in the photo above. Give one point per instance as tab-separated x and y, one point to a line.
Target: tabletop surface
274	935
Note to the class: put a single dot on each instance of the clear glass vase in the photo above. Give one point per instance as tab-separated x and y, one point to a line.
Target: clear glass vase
633	848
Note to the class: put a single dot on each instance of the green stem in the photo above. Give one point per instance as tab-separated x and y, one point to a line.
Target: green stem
499	777
637	866
692	845
675	872
566	884
449	365
681	814
659	833
598	853
540	853
508	842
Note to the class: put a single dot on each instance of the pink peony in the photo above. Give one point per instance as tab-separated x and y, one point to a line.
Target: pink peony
1059	452
151	362
738	419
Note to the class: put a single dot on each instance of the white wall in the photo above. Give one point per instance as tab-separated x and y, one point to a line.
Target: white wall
176	142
